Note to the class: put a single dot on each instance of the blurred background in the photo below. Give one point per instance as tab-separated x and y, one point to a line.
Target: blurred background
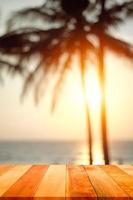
29	133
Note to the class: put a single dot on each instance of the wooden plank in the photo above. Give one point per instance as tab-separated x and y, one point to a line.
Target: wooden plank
5	168
27	185
78	184
127	168
41	182
11	176
53	183
122	179
104	185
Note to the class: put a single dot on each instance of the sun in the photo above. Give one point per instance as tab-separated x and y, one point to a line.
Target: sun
93	91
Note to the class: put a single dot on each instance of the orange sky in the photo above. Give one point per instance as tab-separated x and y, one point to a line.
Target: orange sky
25	121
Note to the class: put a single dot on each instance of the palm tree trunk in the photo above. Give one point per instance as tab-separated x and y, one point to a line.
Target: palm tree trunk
103	101
88	123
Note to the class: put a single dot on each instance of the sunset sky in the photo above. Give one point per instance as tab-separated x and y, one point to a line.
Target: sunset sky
27	121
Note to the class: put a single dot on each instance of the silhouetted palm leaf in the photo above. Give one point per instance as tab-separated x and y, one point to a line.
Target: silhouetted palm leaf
67	28
119	47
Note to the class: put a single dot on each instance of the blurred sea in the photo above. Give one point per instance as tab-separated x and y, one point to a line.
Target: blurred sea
61	152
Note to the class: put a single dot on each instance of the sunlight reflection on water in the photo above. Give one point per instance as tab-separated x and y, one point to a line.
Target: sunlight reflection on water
84	159
56	152
97	154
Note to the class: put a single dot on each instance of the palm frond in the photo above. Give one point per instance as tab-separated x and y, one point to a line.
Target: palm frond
118	46
124	8
28	41
53	47
44	13
62	74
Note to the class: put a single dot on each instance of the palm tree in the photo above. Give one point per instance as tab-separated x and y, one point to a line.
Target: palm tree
102	82
110	16
71	27
53	47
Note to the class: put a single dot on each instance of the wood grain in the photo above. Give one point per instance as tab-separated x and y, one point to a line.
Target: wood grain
104	186
5	168
78	184
53	183
122	179
70	182
27	185
127	168
11	176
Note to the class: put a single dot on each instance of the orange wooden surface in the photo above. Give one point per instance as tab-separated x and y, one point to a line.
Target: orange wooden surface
59	182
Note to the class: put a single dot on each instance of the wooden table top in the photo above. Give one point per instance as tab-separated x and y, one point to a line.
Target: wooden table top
65	181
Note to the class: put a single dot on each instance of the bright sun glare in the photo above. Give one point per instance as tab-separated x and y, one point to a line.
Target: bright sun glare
94	101
93	90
